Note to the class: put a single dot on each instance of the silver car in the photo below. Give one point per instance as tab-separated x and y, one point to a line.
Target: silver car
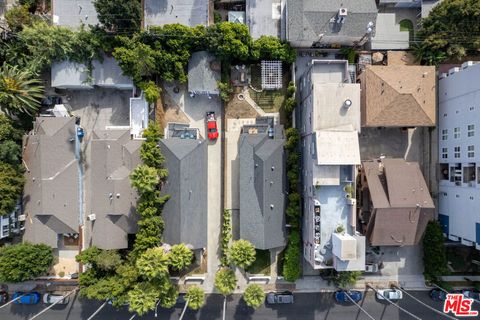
390	294
285	297
49	298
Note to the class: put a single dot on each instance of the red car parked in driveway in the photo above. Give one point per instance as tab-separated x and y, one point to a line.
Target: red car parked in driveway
212	131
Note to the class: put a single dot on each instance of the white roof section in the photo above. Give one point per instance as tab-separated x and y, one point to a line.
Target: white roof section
138	116
337	147
336	104
357	264
326	175
344	246
72	75
108	74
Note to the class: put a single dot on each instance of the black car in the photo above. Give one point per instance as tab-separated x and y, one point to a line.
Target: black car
285	297
3	296
438	295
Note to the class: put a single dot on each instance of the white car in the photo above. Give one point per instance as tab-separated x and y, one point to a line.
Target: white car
390	294
49	298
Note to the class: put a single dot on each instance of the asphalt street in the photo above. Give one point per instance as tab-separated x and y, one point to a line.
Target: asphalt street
306	307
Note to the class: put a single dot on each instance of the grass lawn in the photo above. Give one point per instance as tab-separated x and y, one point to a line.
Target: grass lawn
262	264
268	100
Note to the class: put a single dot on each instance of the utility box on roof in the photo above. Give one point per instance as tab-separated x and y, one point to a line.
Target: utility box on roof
344	246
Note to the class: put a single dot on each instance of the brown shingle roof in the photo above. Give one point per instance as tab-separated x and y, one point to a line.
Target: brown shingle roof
402	205
398	96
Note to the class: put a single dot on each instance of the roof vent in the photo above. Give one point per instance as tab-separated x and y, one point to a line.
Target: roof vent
453	70
271	206
443	76
92	217
118	195
110	196
347	104
273	168
467	64
343	12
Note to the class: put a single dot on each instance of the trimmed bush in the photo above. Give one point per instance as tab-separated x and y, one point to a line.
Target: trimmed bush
291	265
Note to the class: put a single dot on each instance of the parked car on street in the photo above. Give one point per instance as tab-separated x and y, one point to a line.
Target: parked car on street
212	131
371	268
471	293
49	298
438	295
390	294
280	297
3	296
27	298
342	296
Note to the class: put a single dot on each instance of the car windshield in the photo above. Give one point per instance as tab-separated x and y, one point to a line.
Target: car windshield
212	130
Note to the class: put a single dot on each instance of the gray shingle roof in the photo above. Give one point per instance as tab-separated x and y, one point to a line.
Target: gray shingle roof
51	190
201	77
112	199
262	184
185	213
308	19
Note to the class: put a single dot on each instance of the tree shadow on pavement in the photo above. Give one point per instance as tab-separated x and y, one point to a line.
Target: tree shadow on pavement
242	311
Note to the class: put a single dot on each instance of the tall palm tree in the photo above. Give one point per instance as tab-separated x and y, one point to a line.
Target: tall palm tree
20	91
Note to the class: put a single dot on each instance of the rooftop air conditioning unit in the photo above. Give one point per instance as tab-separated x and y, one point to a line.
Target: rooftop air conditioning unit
343	12
21	217
467	64
443	75
453	70
92	217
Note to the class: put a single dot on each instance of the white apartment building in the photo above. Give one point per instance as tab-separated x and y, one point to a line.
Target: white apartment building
459	153
330	107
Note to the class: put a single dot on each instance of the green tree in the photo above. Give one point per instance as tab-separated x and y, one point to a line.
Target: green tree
18	17
254	295
226	236
434	256
169	297
180	256
144	179
108	260
151	91
344	279
88	256
11	187
445	31
195	297
153	263
8	131
149	234
293	137
137	60
225	91
24	261
143	298
10	152
20	92
119	16
229	41
291	265
241	253
271	48
225	281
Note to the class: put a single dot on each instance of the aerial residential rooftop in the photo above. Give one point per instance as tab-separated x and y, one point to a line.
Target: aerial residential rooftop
187	12
262	185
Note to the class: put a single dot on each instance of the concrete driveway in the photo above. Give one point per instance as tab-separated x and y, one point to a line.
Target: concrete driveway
195	110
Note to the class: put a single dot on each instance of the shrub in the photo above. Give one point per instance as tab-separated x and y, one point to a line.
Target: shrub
226	236
225	281
151	91
180	257
344	279
291	265
24	261
225	91
293	177
254	295
290	105
291	89
293	158
241	253
217	17
196	297
293	137
434	257
18	17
